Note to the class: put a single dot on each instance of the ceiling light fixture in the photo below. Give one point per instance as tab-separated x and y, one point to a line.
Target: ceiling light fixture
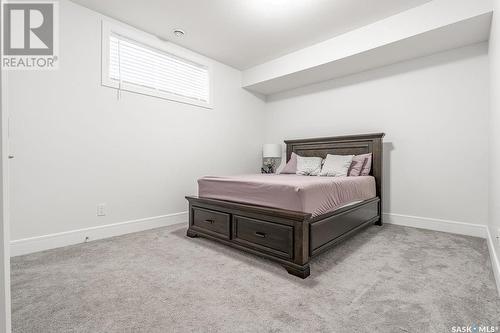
179	33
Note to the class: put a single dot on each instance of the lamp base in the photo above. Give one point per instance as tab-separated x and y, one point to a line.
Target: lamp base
269	165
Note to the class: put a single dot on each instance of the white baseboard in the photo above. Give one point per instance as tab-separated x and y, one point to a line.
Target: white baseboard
454	227
45	242
495	263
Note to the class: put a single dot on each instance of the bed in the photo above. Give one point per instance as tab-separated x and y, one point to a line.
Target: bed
308	194
291	218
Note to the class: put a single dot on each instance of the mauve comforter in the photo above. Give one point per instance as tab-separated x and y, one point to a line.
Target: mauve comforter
309	194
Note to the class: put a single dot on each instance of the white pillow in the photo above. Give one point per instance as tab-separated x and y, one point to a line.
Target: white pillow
308	166
336	165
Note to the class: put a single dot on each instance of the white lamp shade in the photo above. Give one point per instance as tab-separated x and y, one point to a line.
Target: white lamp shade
271	150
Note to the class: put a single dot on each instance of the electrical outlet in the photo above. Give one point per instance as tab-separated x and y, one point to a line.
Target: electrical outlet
101	209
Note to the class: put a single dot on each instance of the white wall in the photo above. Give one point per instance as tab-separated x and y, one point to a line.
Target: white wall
76	145
434	112
494	188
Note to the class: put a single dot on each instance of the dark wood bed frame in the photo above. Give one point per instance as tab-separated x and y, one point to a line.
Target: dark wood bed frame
291	238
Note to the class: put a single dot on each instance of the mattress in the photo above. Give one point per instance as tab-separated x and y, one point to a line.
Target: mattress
308	194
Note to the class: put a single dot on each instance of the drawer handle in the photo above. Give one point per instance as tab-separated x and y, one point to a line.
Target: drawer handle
210	221
260	234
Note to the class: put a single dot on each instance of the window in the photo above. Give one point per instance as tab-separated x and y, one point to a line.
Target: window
140	63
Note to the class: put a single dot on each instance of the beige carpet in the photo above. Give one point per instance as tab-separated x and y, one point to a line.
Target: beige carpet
384	279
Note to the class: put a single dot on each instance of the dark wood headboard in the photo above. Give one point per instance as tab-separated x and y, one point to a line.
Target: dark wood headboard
343	145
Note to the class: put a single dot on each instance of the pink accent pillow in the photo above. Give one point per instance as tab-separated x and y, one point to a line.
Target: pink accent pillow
291	166
356	165
365	171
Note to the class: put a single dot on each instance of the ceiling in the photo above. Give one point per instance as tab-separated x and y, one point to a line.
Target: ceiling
245	33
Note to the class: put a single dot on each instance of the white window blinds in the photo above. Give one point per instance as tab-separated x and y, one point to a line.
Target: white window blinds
155	71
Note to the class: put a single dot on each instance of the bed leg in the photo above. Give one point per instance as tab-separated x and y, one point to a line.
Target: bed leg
191	234
301	272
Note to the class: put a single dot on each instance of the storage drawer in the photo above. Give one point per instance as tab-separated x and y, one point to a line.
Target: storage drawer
329	229
262	235
215	223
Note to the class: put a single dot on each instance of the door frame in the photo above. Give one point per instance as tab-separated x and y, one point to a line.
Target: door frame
5	301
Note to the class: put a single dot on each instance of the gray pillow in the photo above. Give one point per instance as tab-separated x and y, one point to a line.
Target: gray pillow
308	166
336	165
